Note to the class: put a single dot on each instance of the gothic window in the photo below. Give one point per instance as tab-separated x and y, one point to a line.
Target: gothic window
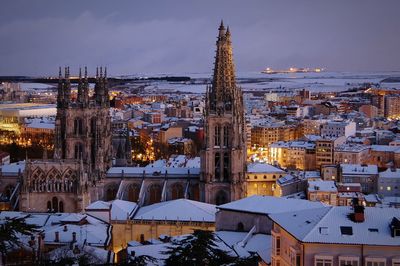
111	192
177	191
217	136
217	164
54	204
78	151
226	166
93	123
78	126
240	227
226	136
221	198
195	195
155	193
38	177
133	193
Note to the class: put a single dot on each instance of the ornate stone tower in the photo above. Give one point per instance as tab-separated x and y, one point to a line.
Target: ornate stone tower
82	152
223	158
83	126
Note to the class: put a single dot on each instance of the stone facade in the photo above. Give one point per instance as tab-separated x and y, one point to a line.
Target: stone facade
223	158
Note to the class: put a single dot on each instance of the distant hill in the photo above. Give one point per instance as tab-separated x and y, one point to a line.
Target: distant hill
391	80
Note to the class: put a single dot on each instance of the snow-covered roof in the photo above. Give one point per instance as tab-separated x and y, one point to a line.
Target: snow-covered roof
257	243
390	173
263	168
88	229
95	255
178	210
140	172
325	225
268	205
357	169
120	209
325	186
12	169
384	148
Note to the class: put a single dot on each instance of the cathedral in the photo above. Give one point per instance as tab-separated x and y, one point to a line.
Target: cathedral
82	172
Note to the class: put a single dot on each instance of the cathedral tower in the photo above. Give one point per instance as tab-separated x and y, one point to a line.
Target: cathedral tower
223	158
82	150
83	126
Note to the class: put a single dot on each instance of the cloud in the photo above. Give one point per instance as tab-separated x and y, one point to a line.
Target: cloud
179	37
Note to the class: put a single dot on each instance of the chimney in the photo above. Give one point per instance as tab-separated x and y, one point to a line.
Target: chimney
73	237
358	215
57	237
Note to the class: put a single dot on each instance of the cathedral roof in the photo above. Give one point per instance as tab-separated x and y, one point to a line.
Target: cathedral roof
178	210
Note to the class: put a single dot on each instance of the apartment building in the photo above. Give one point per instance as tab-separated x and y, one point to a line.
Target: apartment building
342	235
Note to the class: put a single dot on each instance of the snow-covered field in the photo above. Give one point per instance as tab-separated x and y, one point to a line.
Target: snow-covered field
315	82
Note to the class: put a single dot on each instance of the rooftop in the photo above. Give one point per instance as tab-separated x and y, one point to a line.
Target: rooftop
325	225
178	210
263	168
268	205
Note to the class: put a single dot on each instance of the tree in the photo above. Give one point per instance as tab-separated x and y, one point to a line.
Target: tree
11	231
199	248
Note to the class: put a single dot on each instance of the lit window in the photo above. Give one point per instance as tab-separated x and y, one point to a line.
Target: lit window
375	262
323	260
348	261
389	188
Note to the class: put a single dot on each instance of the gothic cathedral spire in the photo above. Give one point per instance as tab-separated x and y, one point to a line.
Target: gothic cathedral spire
223	158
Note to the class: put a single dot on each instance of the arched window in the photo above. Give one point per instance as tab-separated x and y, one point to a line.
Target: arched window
93	124
111	192
155	193
226	136
221	198
61	207
217	164
195	195
177	191
226	167
217	136
54	204
78	126
78	151
240	227
49	209
133	193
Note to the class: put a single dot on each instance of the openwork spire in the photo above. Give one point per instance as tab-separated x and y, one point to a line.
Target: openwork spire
221	94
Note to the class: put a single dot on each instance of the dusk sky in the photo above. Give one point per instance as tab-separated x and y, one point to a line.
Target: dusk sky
179	36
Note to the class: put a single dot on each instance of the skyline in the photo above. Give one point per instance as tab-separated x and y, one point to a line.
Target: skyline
176	37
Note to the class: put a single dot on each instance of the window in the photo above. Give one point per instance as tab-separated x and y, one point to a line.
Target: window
323	260
276	245
217	136
226	136
396	262
349	261
375	262
294	256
